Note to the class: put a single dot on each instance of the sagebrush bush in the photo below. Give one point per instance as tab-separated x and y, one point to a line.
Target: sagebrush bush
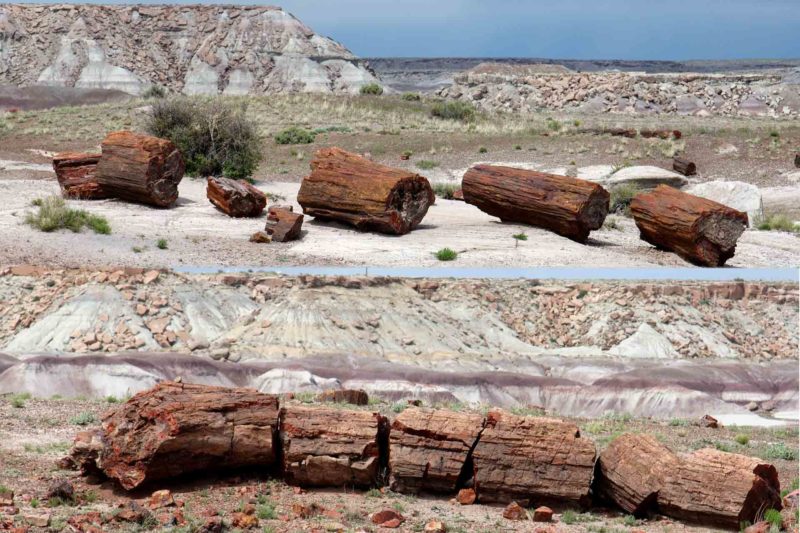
215	137
621	198
411	97
372	88
154	91
453	110
295	135
53	214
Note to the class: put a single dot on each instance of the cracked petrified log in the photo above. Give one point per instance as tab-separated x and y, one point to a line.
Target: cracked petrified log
631	472
176	428
235	198
329	447
348	188
568	206
533	459
700	231
430	449
283	224
76	174
720	489
140	168
684	166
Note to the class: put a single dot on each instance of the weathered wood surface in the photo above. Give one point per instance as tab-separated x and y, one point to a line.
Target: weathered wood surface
631	472
283	224
76	174
175	428
701	231
348	188
534	459
568	206
329	447
430	447
235	198
684	166
720	489
140	168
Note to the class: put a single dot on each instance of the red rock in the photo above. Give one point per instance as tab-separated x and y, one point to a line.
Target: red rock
466	496
244	520
160	498
542	514
61	489
758	527
86	522
305	511
235	198
354	397
709	421
514	511
391	524
435	526
6	498
75	172
283	225
385	516
132	512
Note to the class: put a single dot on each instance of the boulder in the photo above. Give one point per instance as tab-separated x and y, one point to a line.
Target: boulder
644	177
76	174
738	195
515	511
283	224
235	198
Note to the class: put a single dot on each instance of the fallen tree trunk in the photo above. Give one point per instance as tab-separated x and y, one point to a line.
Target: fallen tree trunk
175	428
76	174
235	198
568	206
348	188
328	447
701	231
721	489
684	166
140	168
631	472
429	449
532	459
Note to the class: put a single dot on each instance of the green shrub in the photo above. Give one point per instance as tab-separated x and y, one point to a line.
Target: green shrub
553	124
445	190
295	135
399	407
453	110
773	516
266	511
154	91
517	147
621	197
372	88
780	451
742	439
521	236
482	150
426	164
446	254
215	137
778	223
411	97
53	214
161	244
568	517
82	419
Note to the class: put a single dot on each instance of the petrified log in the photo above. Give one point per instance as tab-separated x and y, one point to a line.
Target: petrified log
568	206
684	166
719	488
631	472
140	168
235	198
348	188
75	172
429	449
283	224
176	428
520	458
797	160
701	231
327	447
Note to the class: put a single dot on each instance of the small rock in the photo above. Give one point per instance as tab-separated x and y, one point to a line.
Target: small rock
758	527
244	520
38	519
792	500
768	406
62	489
387	518
220	353
435	526
466	496
150	276
132	512
514	511
161	498
261	236
542	514
709	421
752	406
6	498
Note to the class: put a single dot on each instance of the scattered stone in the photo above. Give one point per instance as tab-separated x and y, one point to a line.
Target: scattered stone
709	421
514	511
6	498
150	276
354	397
261	237
132	512
435	526
61	489
466	496
283	224
37	519
542	514
160	498
387	518
235	198
752	406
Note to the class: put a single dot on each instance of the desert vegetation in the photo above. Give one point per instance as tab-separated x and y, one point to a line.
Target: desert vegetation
52	213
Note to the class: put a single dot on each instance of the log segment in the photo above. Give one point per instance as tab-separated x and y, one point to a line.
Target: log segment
533	459
76	174
684	166
701	231
348	188
235	198
175	428
631	472
140	168
328	447
429	449
283	224
568	206
797	160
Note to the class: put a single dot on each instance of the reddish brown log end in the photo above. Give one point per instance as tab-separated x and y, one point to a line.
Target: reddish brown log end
76	174
235	198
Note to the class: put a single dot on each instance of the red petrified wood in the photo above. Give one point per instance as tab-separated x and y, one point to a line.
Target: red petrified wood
235	198
75	172
283	224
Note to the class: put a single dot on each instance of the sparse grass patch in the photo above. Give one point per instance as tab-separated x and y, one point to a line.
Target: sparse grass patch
521	236
742	439
53	214
426	164
446	254
266	511
778	223
621	197
154	91
453	110
399	407
445	190
372	89
773	516
136	249
82	419
295	135
162	244
483	150
780	451
552	124
411	97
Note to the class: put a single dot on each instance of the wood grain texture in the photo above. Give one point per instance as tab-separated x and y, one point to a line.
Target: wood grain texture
235	198
76	174
684	166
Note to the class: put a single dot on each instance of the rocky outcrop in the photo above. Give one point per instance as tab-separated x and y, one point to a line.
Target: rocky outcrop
197	49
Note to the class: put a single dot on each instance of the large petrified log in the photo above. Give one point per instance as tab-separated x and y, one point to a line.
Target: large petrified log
348	188
520	458
719	488
631	472
701	231
177	428
140	168
328	447
684	166
235	198
430	449
75	172
568	206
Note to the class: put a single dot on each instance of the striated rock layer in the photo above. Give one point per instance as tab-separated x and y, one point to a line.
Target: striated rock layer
194	49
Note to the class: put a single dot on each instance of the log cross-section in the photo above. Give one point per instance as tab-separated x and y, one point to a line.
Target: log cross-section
348	188
76	174
568	206
684	166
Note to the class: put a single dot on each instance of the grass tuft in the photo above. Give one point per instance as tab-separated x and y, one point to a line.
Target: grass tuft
445	190
426	164
53	214
621	198
295	135
372	89
453	110
778	223
446	254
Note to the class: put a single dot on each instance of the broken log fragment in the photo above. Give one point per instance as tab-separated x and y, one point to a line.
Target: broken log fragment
720	489
684	166
532	459
140	168
700	231
568	206
177	428
348	188
797	160
76	174
429	449
235	198
631	472
329	447
283	224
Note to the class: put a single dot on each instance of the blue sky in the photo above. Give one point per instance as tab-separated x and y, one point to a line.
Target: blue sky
564	29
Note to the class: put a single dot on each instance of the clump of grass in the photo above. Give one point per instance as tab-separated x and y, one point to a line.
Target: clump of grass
112	399
399	407
778	223
773	516
521	236
426	164
552	124
445	190
372	89
82	419
411	97
154	91
161	244
295	135
453	110
780	451
568	517
446	254
678	422
53	214
17	401
621	198
482	150
266	511
137	249
742	439
517	147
